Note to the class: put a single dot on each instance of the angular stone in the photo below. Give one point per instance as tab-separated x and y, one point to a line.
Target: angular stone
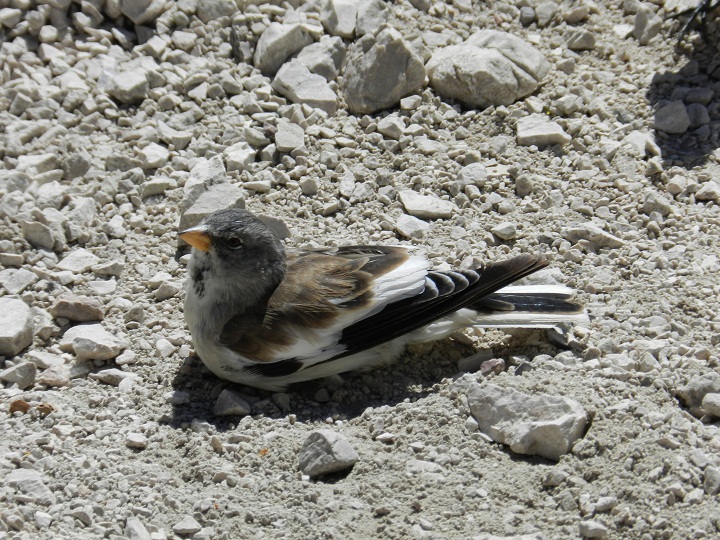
324	58
135	529
711	404
217	197
490	68
187	525
709	191
339	17
15	281
536	129
91	342
579	39
392	127
31	484
112	376
130	86
647	25
77	308
541	425
371	14
295	81
289	136
143	11
205	174
277	43
380	69
593	234
230	403
154	156
324	452
78	261
426	206
16	326
672	118
505	231
240	156
209	10
22	375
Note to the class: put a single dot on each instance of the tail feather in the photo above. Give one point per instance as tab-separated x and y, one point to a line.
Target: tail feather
531	306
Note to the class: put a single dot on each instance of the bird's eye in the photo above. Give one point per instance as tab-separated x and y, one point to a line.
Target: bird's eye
234	242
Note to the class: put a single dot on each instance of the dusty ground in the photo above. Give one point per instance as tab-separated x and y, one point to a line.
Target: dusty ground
641	471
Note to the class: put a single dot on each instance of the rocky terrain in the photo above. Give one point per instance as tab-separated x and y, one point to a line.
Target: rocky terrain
468	130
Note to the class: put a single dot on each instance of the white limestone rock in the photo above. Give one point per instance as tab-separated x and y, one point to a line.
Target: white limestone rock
542	425
490	68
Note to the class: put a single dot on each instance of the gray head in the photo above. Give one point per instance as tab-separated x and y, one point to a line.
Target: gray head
237	249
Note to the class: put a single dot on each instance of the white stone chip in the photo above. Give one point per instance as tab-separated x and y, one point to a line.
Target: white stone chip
425	206
537	130
16	326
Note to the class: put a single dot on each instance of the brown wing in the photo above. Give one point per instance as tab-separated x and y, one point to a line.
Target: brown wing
319	287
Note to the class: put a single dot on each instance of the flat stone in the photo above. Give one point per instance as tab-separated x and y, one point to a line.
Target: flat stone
16	326
425	206
187	525
537	130
540	425
15	281
324	452
157	186
594	234
505	231
78	308
91	342
592	529
78	261
112	376
217	197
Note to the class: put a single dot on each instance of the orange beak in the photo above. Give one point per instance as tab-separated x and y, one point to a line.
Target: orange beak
197	238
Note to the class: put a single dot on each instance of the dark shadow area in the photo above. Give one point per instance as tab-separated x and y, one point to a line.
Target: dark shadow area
412	377
695	84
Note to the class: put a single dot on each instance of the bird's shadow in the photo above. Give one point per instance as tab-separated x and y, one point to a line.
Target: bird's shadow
694	82
412	377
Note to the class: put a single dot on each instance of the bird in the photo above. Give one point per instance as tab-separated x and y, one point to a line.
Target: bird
268	317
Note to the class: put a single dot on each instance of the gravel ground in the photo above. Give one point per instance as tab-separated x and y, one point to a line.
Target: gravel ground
109	423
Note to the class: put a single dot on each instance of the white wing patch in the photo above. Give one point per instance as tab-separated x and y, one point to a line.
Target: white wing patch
405	281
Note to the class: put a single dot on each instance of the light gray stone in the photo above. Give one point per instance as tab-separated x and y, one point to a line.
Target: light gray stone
130	86
579	39
711	483
186	526
371	14
505	230
426	206
209	10
143	11
289	136
217	197
15	281
277	43
16	326
90	341
594	234
22	374
240	156
489	68
179	139
135	529
339	17
540	425
709	191
78	261
654	202
536	129
154	156
157	186
672	118
295	81
31	484
647	25
592	529
391	126
112	376
711	404
230	403
380	69
324	452
324	58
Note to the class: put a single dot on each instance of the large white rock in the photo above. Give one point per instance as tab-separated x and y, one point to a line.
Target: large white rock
326	451
16	326
78	261
277	43
31	484
489	68
380	69
297	83
324	58
541	425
